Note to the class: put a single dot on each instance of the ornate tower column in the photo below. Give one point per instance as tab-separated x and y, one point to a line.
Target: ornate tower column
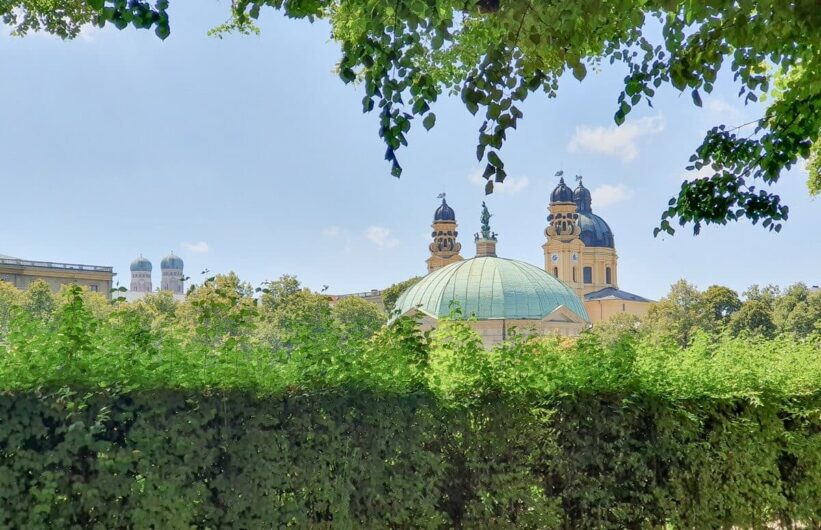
172	277
140	275
563	247
444	249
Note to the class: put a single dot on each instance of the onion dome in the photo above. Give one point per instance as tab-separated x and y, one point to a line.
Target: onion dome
141	264
561	193
444	212
595	232
491	288
171	262
582	198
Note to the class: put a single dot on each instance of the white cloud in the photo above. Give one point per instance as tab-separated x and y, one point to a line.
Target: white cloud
199	248
614	140
381	236
511	185
722	108
332	232
703	173
608	195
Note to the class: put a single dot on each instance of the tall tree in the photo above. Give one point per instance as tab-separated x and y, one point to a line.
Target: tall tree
754	317
678	315
798	310
39	300
358	318
719	303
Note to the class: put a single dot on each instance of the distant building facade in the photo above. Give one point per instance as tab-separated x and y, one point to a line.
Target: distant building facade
21	273
580	250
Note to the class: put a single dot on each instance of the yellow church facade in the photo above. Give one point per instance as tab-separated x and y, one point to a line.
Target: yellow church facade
580	250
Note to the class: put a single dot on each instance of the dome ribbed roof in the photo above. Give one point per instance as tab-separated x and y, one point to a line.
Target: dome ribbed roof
171	262
444	212
141	264
561	193
595	232
491	288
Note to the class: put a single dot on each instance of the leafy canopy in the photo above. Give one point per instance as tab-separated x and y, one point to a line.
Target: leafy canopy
496	53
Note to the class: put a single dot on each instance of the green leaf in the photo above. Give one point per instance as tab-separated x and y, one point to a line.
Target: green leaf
494	159
429	121
162	31
579	71
696	98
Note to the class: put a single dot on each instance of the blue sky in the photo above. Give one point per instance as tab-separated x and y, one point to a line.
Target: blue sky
248	154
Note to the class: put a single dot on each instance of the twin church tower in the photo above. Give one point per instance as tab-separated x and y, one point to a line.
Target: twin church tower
172	275
579	250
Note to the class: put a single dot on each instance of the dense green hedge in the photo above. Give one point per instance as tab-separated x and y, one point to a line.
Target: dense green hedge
108	422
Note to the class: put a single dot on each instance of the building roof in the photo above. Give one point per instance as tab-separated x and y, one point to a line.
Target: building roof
140	264
171	262
444	212
561	193
17	262
582	198
3	256
595	231
611	293
491	288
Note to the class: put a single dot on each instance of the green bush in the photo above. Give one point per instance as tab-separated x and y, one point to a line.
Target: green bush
115	422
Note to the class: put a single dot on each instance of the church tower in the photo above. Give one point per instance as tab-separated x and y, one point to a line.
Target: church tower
444	249
580	248
172	278
141	275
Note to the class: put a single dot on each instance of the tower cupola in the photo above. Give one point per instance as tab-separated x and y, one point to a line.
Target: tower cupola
582	197
140	264
561	193
444	212
444	249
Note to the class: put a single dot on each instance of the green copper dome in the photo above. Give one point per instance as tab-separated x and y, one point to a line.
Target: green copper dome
491	288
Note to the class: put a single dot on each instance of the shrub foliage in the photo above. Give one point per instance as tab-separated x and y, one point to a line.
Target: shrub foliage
116	421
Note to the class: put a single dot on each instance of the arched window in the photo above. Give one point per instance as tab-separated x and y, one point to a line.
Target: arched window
556	272
608	276
574	274
587	274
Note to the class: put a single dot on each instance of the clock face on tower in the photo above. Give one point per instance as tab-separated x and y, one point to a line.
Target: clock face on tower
574	257
554	258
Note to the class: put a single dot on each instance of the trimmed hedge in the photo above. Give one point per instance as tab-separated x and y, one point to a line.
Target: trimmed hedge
117	424
180	460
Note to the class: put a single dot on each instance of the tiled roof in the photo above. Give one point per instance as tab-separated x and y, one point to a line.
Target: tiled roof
611	293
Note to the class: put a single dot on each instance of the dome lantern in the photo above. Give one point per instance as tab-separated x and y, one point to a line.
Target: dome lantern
444	212
140	264
561	193
172	261
582	197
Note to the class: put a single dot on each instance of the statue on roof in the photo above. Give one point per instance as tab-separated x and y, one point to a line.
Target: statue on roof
485	218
